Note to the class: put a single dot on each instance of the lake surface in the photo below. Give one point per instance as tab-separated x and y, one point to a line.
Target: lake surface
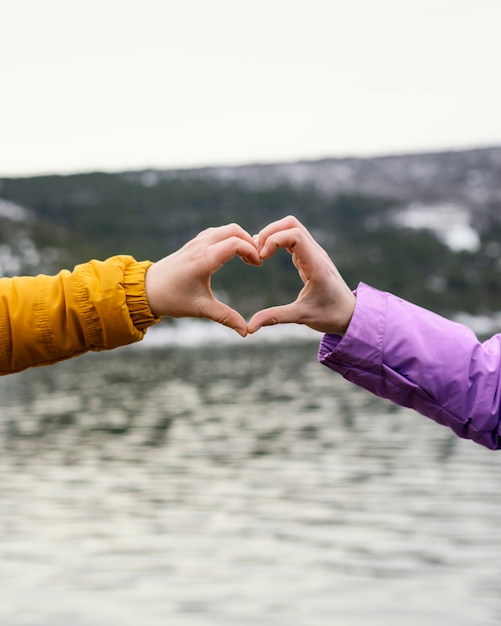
236	483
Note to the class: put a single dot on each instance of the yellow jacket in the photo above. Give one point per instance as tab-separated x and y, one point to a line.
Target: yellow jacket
98	306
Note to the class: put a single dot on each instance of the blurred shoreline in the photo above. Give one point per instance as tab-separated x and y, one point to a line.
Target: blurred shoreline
193	333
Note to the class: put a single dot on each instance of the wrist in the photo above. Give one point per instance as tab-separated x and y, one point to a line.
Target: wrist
348	310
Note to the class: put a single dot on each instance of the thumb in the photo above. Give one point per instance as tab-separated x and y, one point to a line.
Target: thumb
223	314
285	314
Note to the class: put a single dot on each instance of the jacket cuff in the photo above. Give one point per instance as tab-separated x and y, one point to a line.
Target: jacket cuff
361	346
135	295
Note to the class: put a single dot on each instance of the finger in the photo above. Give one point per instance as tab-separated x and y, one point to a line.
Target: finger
223	251
219	233
293	240
223	314
283	224
284	314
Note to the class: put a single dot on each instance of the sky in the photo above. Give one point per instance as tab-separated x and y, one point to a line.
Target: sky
114	85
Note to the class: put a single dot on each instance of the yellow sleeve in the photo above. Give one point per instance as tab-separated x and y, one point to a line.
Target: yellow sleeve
100	305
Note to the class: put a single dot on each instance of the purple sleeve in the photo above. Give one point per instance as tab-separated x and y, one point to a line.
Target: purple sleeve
418	359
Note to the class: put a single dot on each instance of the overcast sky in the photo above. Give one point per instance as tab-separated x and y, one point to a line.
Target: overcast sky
116	84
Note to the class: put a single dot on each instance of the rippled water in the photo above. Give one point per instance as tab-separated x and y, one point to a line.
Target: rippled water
240	484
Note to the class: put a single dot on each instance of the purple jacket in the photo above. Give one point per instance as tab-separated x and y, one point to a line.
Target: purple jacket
418	359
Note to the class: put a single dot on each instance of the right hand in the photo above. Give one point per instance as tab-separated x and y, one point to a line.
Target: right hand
325	303
179	284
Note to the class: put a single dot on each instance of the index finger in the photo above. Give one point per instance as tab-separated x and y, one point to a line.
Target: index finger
283	224
220	233
294	237
295	240
224	250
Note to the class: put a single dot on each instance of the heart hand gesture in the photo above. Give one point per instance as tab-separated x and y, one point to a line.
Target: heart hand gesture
179	284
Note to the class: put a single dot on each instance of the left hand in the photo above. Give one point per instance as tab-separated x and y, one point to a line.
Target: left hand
325	303
179	284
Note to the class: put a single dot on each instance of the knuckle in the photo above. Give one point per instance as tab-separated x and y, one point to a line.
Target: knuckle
205	231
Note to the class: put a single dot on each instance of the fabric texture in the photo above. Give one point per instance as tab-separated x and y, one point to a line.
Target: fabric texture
418	359
100	305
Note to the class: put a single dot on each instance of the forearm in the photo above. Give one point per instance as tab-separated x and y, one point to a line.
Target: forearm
418	359
98	306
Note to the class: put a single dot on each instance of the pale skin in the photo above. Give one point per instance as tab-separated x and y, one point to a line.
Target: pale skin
325	303
179	285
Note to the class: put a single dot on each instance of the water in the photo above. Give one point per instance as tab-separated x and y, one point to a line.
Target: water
236	484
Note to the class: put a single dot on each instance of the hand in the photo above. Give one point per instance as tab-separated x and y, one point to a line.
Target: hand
325	303
179	284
